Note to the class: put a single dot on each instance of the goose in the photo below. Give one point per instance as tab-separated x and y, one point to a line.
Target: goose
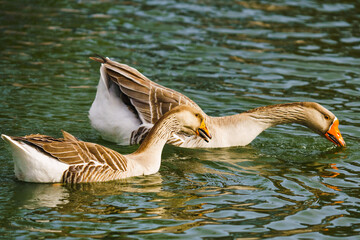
127	104
44	159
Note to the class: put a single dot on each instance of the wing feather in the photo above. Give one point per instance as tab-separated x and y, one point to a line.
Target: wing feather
135	95
150	99
74	152
90	173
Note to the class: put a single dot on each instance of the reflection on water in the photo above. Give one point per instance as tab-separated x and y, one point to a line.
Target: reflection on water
228	57
33	196
226	187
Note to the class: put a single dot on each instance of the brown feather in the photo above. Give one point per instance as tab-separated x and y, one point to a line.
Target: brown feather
72	151
143	93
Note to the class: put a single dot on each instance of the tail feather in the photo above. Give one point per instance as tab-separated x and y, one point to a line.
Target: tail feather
98	58
13	143
32	165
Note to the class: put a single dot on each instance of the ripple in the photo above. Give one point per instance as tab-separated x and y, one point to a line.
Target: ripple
229	58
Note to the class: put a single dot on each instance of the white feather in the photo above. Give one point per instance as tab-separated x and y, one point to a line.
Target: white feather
110	116
31	165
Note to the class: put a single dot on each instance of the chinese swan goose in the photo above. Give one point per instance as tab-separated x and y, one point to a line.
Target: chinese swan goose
40	158
127	104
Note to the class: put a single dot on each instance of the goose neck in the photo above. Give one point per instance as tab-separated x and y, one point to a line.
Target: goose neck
279	114
159	134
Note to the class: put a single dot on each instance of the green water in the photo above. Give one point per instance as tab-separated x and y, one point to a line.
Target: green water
228	56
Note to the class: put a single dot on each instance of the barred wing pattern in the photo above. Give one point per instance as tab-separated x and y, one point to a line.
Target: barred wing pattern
149	100
88	162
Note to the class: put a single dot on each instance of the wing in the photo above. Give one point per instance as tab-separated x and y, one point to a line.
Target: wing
149	99
89	172
87	161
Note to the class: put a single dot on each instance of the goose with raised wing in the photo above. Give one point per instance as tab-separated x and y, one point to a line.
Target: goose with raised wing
40	158
128	104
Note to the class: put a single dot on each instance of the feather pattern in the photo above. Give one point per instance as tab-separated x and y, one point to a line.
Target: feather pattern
151	100
41	158
82	157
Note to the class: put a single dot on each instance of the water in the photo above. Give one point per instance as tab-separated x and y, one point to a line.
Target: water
228	56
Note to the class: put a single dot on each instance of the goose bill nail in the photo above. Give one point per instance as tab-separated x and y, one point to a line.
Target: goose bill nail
334	135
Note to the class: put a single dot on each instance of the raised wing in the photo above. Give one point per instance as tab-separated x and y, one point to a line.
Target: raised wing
149	99
87	162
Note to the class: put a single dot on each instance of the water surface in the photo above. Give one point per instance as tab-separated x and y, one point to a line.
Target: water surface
229	57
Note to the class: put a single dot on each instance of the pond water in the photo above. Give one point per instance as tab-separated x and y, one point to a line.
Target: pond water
228	56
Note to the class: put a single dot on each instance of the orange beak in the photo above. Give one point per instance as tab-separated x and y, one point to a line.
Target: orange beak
334	135
203	132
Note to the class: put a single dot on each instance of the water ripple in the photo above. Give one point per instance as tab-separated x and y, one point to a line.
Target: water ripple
228	57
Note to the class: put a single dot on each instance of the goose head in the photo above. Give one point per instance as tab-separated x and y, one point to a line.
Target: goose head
191	122
323	122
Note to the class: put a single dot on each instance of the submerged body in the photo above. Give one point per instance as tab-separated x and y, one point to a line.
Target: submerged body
128	104
40	158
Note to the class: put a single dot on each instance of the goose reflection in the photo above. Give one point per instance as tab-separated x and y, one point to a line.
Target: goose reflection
194	186
34	196
68	196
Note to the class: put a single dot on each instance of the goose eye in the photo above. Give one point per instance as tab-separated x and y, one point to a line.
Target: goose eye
326	117
197	115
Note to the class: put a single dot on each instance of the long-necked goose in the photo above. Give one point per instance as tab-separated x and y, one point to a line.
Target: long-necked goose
127	104
40	158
